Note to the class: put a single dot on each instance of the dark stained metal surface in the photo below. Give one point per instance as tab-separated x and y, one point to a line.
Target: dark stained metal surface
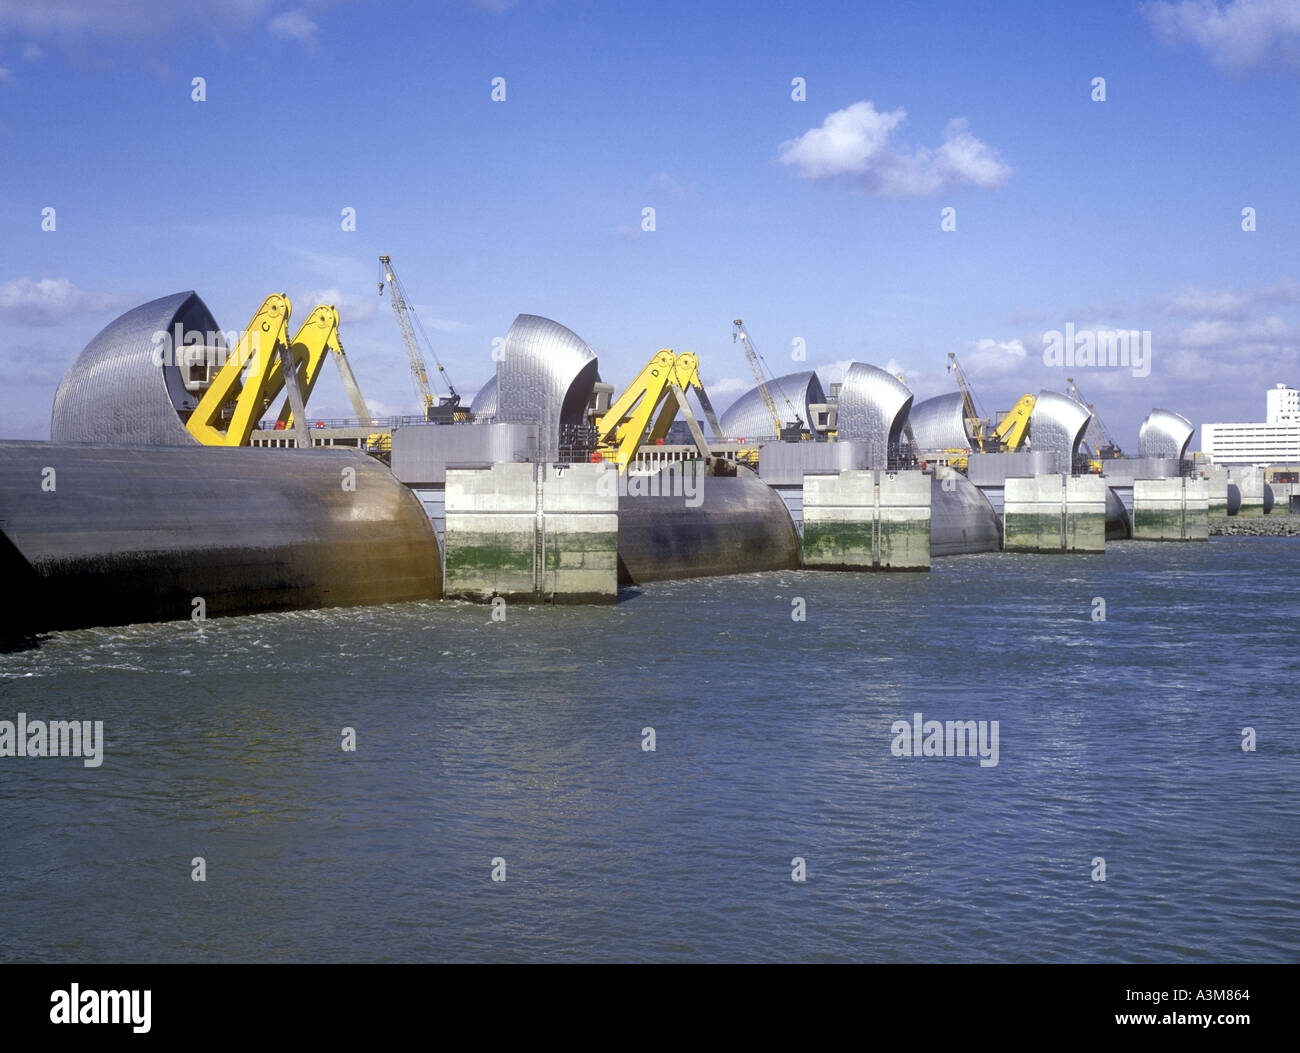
132	534
742	525
961	519
1119	526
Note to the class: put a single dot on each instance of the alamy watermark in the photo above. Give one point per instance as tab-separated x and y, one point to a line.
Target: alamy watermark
951	738
54	738
1100	348
75	1006
193	347
680	479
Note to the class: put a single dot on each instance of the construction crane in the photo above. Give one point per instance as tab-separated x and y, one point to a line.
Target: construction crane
975	421
1010	433
756	364
1100	444
434	408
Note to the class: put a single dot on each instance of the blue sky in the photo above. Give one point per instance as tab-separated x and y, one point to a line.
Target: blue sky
815	220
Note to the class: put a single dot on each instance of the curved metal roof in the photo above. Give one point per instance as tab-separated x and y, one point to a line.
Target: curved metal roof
484	406
545	377
1058	424
747	417
117	392
873	407
1164	433
940	423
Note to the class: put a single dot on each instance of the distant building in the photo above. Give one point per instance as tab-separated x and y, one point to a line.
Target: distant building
1283	405
1276	441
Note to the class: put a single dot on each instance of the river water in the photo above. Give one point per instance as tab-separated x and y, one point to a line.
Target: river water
523	742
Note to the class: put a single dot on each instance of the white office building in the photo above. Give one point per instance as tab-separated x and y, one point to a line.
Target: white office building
1276	441
1283	405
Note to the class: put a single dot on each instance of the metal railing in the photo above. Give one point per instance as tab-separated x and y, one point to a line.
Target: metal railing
347	422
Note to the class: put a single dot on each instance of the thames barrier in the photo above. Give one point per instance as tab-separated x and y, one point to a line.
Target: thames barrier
166	489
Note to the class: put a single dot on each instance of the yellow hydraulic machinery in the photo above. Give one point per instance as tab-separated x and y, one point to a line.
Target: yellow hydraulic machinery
795	429
446	409
1009	435
254	375
319	334
959	459
1013	429
1101	447
648	406
239	394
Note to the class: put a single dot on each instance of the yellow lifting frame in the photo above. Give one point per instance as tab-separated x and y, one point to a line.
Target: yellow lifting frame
240	385
645	411
1011	430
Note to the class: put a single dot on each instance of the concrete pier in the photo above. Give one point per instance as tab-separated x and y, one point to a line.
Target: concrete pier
533	532
1216	479
1054	513
866	520
1171	509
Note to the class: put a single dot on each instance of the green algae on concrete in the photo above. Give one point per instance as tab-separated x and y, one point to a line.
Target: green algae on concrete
1174	509
1054	513
541	533
866	519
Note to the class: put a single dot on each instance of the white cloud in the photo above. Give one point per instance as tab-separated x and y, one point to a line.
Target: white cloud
78	20
1236	36
989	357
73	18
1270	334
49	301
444	325
895	369
848	142
668	183
6	76
1193	302
295	25
853	144
833	373
381	408
351	308
33	53
727	387
1284	290
1205	333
